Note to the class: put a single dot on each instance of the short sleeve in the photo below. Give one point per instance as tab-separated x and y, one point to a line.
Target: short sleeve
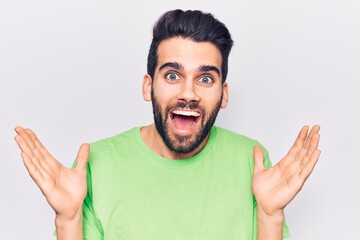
91	225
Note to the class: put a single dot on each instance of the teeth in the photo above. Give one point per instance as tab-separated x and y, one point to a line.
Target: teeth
186	113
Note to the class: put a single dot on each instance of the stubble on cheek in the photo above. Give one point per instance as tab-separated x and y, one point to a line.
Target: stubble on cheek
178	143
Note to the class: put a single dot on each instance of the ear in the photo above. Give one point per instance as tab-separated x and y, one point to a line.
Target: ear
225	93
146	87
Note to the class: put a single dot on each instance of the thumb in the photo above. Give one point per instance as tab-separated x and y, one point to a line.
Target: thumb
258	159
82	158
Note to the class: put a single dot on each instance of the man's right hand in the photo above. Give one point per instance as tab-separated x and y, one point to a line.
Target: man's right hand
64	188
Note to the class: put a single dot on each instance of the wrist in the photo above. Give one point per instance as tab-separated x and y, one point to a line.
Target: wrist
270	226
69	228
276	217
62	219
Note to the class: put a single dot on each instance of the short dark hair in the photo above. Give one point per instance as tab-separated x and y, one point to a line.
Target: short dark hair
192	24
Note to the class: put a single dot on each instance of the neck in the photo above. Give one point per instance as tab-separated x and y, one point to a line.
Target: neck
154	141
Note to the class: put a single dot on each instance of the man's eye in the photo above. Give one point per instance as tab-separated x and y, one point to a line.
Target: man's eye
172	76
206	80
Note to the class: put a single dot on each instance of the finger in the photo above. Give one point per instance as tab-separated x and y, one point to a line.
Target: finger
31	148
34	147
28	151
24	134
310	165
23	145
37	143
314	130
82	158
258	159
25	141
48	163
299	142
36	172
33	169
313	146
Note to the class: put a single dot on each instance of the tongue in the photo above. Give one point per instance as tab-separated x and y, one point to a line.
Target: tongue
183	122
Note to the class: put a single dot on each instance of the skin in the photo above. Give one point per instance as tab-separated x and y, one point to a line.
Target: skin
64	188
274	188
190	85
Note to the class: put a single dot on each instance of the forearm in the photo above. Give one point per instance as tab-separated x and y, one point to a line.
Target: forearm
69	229
269	227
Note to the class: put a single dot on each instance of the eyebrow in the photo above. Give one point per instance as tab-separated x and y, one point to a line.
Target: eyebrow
174	65
179	66
209	68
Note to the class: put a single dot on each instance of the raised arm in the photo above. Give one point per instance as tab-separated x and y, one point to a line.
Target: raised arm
275	187
64	188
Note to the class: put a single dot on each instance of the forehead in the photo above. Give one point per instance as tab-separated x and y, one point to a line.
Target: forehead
189	53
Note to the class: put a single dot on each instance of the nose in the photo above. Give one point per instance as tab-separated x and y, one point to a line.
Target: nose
188	92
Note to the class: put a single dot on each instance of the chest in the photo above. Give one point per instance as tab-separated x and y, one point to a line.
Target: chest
150	202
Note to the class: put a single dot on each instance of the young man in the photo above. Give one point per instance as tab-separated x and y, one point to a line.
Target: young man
181	177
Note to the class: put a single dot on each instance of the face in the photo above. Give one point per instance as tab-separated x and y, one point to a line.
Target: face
186	92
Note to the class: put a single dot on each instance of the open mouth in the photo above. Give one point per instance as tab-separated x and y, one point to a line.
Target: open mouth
184	120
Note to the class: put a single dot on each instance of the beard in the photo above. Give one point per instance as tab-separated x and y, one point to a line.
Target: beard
178	143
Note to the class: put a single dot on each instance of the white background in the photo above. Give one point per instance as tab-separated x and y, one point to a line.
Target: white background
72	71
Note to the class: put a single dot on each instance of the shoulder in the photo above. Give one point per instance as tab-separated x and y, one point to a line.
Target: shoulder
113	148
237	151
233	138
116	140
236	143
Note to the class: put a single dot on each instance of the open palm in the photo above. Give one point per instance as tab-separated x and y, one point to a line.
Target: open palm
275	187
64	188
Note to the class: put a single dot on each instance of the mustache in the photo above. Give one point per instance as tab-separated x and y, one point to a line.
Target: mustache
186	105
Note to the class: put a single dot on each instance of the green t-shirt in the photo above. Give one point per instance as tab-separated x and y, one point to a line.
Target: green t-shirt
135	194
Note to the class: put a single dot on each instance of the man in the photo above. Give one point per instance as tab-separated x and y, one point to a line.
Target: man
181	177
